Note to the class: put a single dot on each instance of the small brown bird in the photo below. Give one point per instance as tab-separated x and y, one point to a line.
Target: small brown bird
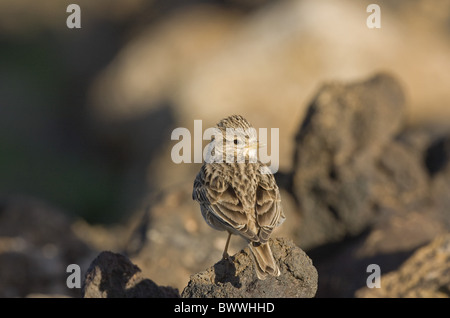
238	193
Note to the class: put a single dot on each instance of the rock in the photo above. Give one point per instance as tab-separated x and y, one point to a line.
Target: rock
342	135
389	242
425	274
399	180
36	246
407	215
112	275
235	277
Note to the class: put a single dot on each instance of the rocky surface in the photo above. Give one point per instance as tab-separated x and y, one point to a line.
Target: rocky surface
235	277
425	274
112	275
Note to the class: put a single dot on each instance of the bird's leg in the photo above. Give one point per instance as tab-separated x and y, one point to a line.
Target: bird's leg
225	254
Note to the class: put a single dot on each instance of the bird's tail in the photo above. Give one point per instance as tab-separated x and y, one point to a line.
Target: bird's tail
264	262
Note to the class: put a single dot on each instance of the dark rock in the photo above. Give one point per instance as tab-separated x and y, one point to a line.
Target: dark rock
113	275
345	130
236	276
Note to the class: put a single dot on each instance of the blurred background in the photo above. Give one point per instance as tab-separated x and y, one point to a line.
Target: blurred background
86	117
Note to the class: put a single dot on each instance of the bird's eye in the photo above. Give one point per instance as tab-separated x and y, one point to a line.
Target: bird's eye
236	141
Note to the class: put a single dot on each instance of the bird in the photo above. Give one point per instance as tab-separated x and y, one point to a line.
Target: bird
238	193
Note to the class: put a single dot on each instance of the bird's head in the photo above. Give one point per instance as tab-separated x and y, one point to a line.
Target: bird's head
235	140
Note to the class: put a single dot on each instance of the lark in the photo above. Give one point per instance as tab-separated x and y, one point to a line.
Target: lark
238	194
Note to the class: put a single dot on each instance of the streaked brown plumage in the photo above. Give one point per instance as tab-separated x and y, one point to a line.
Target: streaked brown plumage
241	196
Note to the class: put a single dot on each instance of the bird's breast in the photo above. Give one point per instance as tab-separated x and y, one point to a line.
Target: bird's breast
243	179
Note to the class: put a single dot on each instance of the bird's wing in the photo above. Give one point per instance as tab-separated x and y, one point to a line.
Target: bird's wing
218	197
269	212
